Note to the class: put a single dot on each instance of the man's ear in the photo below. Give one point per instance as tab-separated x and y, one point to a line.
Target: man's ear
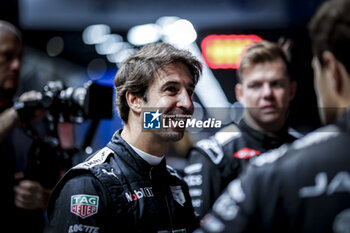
134	102
238	91
332	66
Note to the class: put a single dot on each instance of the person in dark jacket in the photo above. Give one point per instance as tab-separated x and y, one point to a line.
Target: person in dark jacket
127	186
302	187
265	89
25	197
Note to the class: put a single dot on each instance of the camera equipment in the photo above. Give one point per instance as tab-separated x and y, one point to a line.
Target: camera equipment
67	104
63	104
93	101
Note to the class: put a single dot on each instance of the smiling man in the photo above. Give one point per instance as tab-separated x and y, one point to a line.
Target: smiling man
265	89
126	186
171	92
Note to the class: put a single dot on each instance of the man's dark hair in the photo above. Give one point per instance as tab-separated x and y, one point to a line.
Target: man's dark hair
330	31
139	71
261	52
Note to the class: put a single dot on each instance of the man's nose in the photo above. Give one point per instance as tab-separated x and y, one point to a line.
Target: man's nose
185	100
16	64
267	91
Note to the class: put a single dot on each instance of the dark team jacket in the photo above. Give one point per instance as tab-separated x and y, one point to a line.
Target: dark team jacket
20	153
303	187
216	161
115	190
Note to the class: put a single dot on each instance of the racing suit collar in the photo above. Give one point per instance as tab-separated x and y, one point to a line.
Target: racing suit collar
264	139
151	159
119	145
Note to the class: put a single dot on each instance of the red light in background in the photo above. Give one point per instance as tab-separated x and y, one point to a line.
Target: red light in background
224	51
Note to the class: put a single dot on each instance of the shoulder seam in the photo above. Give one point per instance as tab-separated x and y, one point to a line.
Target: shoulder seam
227	134
316	137
96	159
213	146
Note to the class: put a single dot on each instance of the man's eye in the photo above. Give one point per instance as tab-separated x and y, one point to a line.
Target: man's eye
277	84
3	57
6	57
171	89
254	85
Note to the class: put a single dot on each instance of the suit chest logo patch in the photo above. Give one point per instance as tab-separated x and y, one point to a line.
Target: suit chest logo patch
246	153
84	205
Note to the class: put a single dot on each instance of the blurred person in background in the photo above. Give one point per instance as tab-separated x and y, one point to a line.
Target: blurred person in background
25	198
265	89
302	187
127	186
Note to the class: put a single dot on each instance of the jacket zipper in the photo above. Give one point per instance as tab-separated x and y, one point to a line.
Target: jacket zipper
166	202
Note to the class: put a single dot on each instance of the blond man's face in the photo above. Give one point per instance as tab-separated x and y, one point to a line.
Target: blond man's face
266	92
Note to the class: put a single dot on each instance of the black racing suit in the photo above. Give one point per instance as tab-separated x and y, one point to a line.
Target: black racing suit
216	161
302	187
115	190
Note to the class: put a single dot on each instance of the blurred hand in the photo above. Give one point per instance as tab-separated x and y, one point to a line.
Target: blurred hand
30	195
38	114
30	95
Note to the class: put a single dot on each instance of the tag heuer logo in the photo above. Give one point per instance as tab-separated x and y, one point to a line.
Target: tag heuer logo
84	205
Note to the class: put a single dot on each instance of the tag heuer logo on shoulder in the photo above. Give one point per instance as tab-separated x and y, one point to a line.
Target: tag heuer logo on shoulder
84	205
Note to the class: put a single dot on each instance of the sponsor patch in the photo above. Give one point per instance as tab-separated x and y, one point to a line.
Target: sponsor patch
246	153
99	158
82	228
195	192
340	183
212	148
193	168
193	180
178	194
84	205
139	193
196	202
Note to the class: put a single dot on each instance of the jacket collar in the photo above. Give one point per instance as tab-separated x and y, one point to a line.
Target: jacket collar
128	155
261	138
